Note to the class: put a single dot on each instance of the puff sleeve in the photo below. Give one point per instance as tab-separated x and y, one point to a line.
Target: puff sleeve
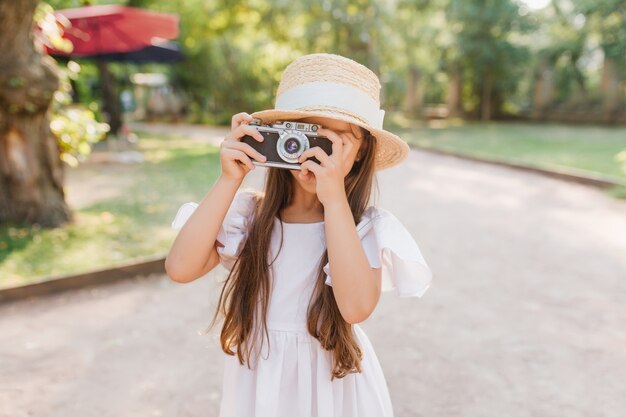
389	245
233	231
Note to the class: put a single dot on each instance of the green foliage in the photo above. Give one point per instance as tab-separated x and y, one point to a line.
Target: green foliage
236	50
607	18
50	28
74	126
485	47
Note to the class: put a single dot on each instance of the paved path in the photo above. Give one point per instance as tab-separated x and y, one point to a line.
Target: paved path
526	315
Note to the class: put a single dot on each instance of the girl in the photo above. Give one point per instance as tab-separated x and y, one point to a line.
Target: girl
308	258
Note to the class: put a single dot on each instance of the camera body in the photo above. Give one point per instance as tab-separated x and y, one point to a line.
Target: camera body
285	141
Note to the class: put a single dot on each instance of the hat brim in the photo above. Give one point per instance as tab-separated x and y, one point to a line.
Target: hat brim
391	148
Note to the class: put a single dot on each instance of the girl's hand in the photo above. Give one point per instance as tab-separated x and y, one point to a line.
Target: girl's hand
235	156
332	169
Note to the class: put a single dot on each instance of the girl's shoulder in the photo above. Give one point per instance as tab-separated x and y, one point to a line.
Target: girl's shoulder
241	210
234	229
246	201
249	194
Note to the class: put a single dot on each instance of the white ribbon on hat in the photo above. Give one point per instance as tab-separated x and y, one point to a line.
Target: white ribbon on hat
338	95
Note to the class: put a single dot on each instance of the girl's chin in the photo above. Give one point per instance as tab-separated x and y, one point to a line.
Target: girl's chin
309	178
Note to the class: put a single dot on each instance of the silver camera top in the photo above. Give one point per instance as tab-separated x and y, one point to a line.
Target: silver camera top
299	126
289	125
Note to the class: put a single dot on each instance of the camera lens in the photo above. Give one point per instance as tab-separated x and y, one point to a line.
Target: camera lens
292	145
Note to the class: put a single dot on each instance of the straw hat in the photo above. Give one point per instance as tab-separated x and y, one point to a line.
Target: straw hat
335	87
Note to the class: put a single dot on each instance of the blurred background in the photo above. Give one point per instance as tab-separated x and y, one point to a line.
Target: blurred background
111	116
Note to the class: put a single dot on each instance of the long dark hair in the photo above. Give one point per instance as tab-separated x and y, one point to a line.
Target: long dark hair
246	290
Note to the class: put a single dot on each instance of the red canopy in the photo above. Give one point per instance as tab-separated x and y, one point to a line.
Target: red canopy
104	29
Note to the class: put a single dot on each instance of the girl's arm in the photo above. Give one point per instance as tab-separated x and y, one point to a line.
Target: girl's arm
356	285
193	252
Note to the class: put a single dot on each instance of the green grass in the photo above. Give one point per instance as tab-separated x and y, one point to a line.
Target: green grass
133	223
554	146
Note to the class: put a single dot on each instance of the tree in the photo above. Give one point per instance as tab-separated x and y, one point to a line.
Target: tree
413	35
31	172
484	51
608	20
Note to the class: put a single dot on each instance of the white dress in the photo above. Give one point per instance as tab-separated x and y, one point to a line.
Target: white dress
292	377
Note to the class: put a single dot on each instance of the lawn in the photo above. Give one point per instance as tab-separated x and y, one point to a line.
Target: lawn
591	149
132	223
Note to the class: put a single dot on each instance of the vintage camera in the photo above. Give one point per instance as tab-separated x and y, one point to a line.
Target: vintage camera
285	141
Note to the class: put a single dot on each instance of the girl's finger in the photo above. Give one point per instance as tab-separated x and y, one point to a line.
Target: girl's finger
337	141
244	130
237	155
348	144
244	147
239	119
317	152
311	166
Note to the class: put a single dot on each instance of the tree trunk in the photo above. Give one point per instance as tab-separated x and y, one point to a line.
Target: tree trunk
110	102
611	88
485	101
372	53
413	103
31	172
543	90
581	96
455	87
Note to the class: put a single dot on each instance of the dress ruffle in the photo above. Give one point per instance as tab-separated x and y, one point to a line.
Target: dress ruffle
183	214
390	246
234	229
